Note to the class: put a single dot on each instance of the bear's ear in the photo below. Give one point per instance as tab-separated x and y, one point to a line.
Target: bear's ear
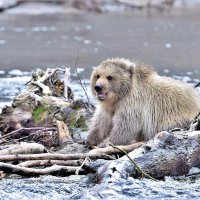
131	68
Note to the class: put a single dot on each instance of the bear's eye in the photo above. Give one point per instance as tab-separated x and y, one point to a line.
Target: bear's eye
110	78
98	76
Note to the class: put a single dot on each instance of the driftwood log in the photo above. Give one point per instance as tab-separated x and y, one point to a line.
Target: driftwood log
51	156
23	148
111	150
24	171
168	154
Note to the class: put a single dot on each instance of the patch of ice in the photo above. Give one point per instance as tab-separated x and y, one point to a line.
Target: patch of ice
166	71
177	77
35	29
43	29
168	45
2	42
186	79
87	42
79	70
196	80
194	170
78	38
19	29
2	72
189	73
16	72
89	27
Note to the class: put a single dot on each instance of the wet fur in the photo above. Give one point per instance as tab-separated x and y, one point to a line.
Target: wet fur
139	103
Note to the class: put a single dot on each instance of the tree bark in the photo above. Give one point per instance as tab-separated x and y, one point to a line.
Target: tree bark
167	154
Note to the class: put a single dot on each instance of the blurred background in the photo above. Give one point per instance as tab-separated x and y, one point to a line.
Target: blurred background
53	33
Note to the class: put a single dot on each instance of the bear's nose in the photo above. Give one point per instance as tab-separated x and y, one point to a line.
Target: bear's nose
98	88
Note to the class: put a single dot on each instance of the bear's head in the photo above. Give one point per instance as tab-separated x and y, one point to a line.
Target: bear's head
112	80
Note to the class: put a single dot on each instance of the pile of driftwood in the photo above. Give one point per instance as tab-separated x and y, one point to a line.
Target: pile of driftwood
38	137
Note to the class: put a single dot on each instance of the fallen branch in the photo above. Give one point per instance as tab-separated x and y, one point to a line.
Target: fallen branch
111	150
13	133
24	171
49	156
23	148
44	163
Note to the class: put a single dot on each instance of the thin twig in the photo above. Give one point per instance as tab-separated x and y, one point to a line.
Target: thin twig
134	163
66	80
28	129
197	85
80	81
83	163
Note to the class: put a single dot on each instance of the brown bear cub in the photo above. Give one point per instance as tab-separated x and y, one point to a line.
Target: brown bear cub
135	103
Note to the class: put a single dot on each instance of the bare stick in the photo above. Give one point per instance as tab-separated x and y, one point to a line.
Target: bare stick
197	85
55	169
45	89
84	162
66	80
49	156
134	163
44	163
28	129
80	81
111	150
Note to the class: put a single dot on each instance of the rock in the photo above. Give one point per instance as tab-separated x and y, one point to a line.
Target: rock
4	4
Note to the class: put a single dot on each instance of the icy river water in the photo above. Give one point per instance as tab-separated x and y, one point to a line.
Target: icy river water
168	41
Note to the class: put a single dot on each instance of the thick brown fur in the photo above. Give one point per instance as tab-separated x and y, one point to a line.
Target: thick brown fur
135	103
